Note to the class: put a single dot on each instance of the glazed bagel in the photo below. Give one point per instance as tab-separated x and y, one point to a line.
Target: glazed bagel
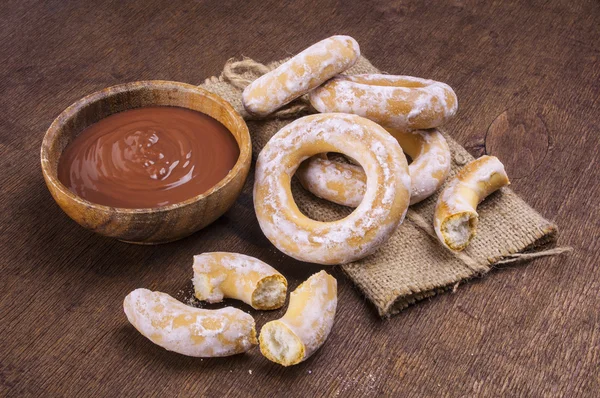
399	102
232	275
345	183
456	218
374	220
300	74
187	330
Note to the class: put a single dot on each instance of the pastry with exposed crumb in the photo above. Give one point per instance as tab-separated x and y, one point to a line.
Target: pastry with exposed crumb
232	275
456	218
306	324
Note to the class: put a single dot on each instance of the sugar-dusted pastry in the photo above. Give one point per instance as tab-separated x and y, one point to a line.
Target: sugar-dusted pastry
333	180
374	220
187	330
300	74
306	324
232	275
455	218
400	102
345	183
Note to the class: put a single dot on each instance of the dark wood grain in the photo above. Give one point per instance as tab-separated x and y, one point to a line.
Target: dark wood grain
527	330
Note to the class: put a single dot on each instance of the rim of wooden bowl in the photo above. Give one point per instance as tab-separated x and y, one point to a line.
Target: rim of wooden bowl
71	111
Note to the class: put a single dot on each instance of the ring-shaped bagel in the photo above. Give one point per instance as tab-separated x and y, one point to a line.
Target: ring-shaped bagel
400	102
372	222
345	183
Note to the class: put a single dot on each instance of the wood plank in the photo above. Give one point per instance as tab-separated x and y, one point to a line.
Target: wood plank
528	329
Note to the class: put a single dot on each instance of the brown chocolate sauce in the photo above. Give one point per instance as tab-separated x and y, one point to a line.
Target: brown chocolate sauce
148	157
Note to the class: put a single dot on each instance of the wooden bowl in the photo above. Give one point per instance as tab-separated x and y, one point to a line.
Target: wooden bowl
150	225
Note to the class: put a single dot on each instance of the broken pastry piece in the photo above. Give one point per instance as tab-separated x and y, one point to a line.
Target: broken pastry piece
231	275
306	324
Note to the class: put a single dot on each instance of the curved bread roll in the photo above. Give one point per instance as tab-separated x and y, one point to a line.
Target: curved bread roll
456	218
306	324
231	275
187	330
300	74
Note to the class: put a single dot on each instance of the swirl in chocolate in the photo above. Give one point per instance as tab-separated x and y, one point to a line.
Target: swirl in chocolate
148	157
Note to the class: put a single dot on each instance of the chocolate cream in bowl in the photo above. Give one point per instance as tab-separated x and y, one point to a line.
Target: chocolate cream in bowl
148	157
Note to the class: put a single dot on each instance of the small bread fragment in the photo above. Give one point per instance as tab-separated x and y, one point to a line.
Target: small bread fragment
306	324
221	275
456	218
190	331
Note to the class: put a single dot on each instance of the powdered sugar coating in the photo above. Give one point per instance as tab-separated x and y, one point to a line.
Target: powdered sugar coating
312	311
473	183
373	221
431	160
187	330
400	102
302	73
345	183
232	275
341	183
474	178
306	324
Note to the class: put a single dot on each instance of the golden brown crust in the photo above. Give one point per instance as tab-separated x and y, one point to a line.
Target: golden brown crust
300	74
188	330
456	218
345	183
363	231
402	102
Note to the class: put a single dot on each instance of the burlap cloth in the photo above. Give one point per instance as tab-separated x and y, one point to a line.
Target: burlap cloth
412	265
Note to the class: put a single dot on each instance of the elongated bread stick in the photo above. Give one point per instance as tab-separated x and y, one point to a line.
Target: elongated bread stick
187	330
302	73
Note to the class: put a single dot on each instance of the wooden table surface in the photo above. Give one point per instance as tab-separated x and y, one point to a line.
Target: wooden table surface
527	77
